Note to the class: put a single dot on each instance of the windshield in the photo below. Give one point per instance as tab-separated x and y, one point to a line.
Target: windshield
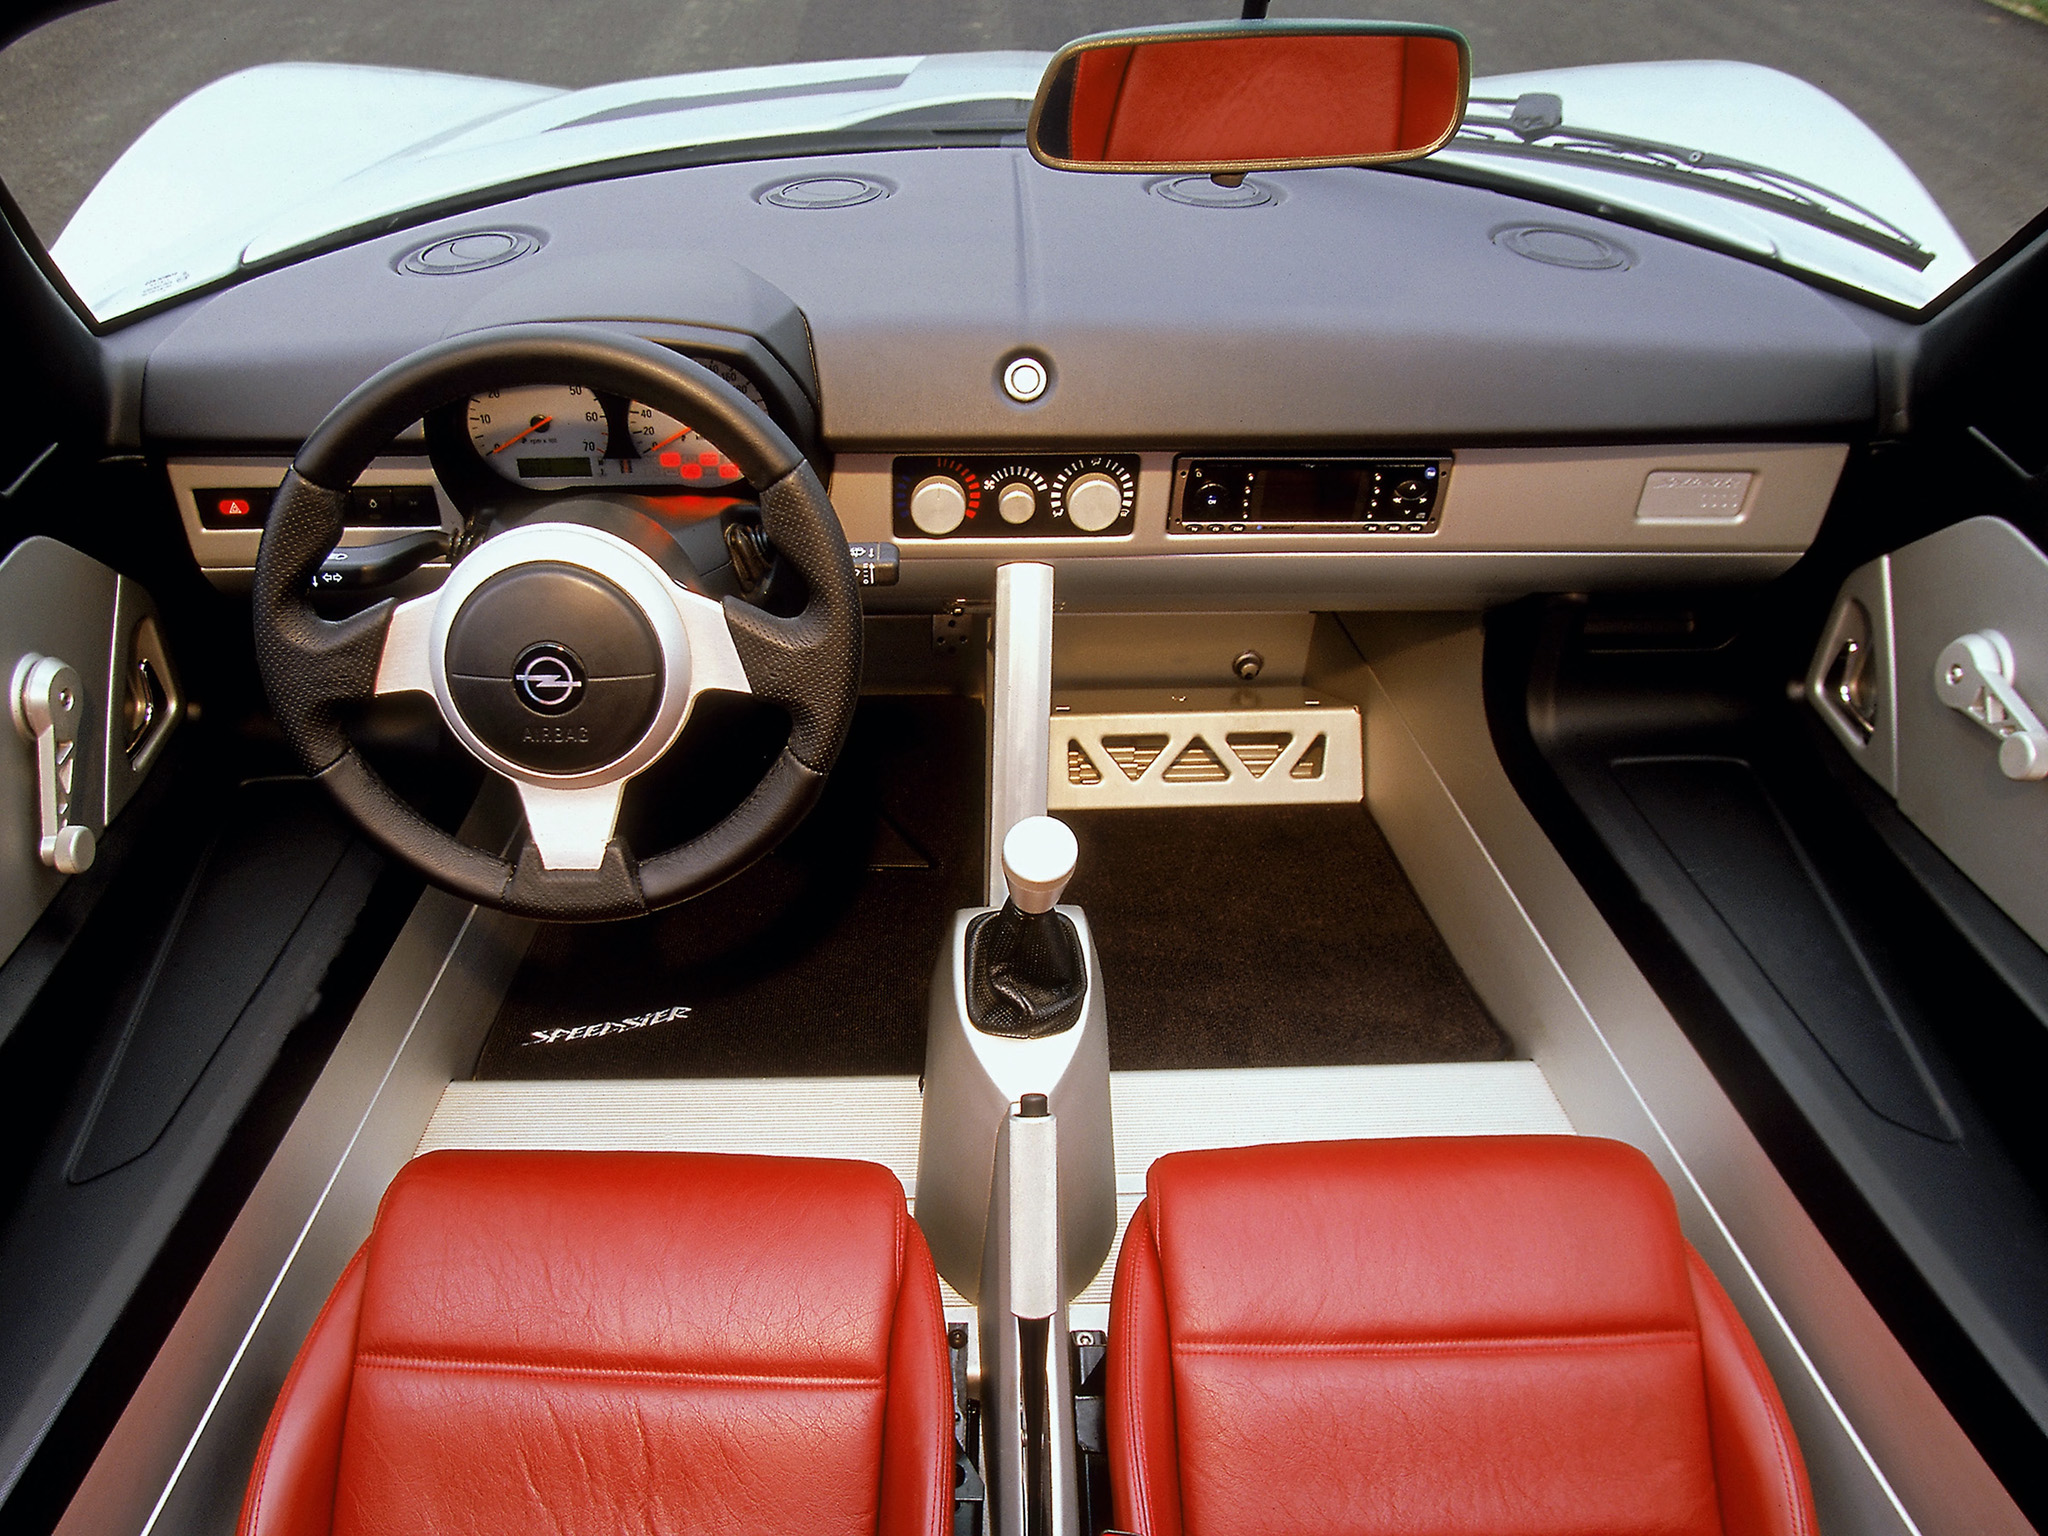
158	147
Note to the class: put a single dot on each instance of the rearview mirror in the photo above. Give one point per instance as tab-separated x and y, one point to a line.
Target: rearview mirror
1229	97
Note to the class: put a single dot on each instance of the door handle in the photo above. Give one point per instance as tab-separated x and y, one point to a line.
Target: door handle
49	706
1974	676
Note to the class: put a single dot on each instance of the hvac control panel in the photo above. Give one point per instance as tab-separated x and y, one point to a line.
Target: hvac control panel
1056	496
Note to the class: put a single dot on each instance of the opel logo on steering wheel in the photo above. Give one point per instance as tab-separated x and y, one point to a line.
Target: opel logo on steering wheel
548	678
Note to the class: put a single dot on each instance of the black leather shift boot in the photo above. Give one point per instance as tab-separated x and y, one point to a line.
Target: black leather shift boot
1025	973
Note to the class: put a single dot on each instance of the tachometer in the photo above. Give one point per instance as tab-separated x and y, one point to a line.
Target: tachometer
545	433
665	449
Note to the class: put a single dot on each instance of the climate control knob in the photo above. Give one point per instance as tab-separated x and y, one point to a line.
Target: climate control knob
938	505
1094	502
1017	503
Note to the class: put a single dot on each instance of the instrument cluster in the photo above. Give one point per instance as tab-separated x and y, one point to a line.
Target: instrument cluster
549	437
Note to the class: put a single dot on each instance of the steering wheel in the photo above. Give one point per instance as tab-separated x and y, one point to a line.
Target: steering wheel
563	657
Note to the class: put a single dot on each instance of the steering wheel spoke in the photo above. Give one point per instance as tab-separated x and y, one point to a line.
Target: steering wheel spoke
572	828
715	665
406	663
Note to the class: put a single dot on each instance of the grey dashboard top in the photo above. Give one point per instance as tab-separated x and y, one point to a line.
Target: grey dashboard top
1354	307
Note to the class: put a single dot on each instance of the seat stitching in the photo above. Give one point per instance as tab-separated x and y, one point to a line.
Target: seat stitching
1788	1483
1148	1521
1761	1382
1480	1345
390	1361
1141	1502
942	1503
1122	1345
261	1480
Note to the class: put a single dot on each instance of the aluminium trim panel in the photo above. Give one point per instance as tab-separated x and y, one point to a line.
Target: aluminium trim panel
1497	500
179	1456
1883	1451
228	555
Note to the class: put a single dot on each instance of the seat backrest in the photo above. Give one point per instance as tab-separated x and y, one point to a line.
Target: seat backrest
1499	1335
569	1343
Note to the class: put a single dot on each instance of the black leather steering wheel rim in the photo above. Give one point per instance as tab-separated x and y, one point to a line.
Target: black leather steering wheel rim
809	664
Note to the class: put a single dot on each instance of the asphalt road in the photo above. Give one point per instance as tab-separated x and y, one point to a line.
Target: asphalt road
1958	87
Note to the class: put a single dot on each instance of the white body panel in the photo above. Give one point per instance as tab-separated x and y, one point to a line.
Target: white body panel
276	158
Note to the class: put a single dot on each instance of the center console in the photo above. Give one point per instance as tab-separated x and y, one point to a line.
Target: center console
1016	1170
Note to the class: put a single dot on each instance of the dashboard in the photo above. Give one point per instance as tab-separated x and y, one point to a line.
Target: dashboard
1357	393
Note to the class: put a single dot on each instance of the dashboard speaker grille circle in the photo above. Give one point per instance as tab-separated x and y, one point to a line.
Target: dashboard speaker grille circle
477	250
824	192
1554	246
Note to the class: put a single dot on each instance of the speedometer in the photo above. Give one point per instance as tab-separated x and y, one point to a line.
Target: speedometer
543	432
665	449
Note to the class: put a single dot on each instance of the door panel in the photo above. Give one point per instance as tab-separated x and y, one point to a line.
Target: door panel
1981	575
53	602
1821	866
1873	680
57	602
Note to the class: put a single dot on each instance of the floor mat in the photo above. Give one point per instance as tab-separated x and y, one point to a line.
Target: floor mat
1267	936
817	960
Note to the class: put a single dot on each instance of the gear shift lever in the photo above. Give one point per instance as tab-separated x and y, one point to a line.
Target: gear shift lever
1025	973
1038	861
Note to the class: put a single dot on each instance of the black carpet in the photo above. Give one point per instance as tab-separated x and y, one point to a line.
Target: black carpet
1265	937
1275	936
817	960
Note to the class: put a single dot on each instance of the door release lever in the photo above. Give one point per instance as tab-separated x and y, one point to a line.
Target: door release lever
48	701
1974	676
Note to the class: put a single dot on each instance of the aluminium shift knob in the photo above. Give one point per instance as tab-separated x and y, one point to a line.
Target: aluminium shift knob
1038	861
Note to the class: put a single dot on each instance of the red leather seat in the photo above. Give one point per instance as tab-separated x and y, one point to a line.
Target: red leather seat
608	1344
1504	1335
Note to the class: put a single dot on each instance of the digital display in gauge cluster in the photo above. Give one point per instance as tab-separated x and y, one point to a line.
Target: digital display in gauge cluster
550	437
1321	495
1029	496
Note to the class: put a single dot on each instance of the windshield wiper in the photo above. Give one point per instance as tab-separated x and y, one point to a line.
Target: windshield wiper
1533	128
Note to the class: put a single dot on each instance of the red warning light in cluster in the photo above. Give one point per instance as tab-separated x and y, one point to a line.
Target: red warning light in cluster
710	465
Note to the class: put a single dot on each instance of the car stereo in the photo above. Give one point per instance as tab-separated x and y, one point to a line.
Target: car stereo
1300	495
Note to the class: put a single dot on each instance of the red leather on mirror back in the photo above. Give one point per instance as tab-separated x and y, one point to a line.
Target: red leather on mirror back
565	1343
1488	1335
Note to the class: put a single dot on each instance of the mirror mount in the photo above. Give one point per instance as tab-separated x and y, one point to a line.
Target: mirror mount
1224	98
